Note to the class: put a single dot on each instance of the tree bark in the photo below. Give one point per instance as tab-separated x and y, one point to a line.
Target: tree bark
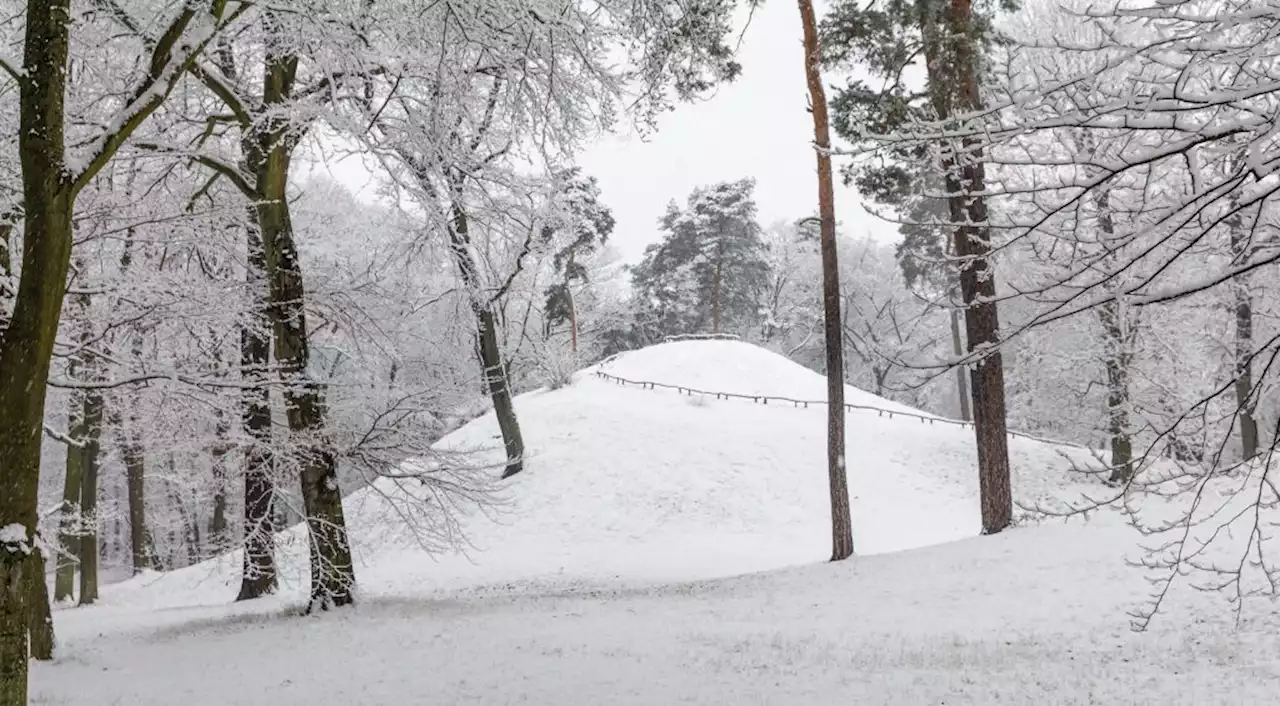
69	535
962	384
27	343
1117	360
135	466
841	521
965	182
1241	251
332	570
93	408
40	617
717	287
259	574
573	320
218	532
490	353
495	374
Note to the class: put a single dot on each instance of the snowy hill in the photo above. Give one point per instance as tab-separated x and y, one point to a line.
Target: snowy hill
626	484
632	493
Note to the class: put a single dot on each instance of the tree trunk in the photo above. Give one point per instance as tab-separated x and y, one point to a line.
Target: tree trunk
1117	360
1241	251
1118	355
135	479
492	368
965	182
841	522
717	287
69	534
40	616
218	533
573	320
26	347
259	575
332	571
962	384
495	374
93	405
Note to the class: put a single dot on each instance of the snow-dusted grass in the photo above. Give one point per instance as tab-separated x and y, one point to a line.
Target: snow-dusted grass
580	593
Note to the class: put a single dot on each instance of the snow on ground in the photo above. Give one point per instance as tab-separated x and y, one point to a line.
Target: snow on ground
580	593
691	487
1032	616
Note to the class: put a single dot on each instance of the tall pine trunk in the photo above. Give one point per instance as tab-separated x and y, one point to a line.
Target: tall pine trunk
259	574
841	522
26	347
965	180
332	570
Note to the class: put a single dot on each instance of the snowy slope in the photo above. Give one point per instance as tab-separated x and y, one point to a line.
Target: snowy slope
626	484
581	594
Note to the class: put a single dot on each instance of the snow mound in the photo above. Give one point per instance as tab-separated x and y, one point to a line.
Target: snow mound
628	484
736	368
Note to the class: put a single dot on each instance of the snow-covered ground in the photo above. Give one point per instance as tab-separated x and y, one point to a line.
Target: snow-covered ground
582	593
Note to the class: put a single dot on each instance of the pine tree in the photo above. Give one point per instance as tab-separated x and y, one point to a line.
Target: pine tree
838	485
586	224
951	38
707	275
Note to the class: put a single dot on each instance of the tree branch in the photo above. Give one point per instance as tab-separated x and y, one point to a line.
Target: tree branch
174	53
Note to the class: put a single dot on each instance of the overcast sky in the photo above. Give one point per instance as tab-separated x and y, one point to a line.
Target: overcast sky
757	126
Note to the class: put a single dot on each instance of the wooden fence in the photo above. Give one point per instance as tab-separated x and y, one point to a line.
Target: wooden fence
766	399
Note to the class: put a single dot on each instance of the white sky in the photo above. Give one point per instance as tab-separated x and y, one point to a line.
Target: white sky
758	126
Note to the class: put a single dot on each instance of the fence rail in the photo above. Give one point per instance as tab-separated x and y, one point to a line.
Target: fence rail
765	399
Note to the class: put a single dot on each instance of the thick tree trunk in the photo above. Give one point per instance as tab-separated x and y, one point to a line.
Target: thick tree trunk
27	343
841	522
332	571
93	407
962	382
259	575
40	617
69	535
965	182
